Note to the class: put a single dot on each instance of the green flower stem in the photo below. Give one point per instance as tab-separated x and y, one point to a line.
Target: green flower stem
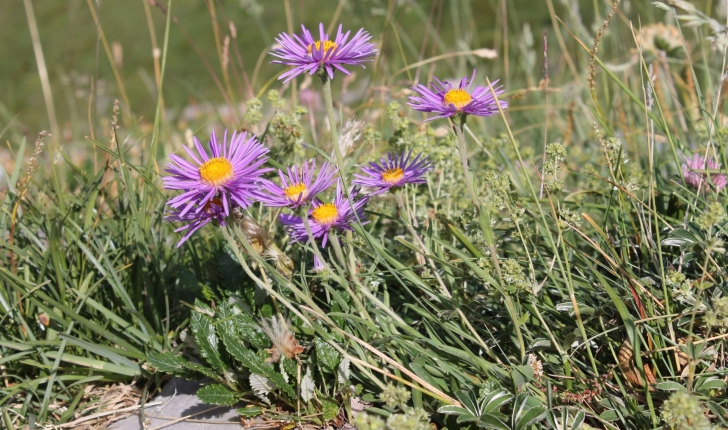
484	218
463	149
328	101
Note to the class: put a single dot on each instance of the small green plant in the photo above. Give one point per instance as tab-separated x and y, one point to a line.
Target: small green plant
276	370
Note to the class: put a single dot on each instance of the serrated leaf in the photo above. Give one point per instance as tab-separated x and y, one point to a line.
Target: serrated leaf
204	329
249	411
168	362
262	386
307	386
328	357
217	394
330	409
199	368
242	325
343	373
252	362
175	364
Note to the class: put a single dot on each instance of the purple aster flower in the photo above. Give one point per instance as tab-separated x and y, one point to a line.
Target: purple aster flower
325	216
309	56
299	186
231	174
695	175
212	211
394	172
446	101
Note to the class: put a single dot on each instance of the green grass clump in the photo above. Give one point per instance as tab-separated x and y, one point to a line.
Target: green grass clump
572	278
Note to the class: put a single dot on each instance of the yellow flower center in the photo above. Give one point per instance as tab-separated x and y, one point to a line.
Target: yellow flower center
328	45
458	97
293	192
325	214
392	176
216	171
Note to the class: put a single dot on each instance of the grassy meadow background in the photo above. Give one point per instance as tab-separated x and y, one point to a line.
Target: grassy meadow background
592	296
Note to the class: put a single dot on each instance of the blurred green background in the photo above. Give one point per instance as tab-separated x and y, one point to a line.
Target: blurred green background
74	55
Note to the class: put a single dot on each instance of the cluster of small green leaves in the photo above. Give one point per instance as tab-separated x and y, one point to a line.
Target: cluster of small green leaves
234	354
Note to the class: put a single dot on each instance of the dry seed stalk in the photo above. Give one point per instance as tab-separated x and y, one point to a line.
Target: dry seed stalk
23	188
595	49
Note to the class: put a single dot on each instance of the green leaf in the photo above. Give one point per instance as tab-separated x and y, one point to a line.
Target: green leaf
330	409
174	364
707	384
679	237
250	411
526	411
328	357
95	364
521	375
242	325
452	410
492	422
204	329
168	362
670	386
217	394
493	401
251	361
307	386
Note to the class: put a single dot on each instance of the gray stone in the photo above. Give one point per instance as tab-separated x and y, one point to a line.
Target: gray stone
178	400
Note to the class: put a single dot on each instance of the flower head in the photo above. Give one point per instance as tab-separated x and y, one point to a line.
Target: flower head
338	215
282	337
212	211
308	55
695	175
394	172
231	174
298	186
446	101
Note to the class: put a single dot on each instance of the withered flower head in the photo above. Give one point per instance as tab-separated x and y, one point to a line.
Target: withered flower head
282	337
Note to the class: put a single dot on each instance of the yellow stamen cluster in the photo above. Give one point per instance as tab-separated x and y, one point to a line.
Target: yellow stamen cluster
293	192
392	176
328	45
326	214
458	97
216	171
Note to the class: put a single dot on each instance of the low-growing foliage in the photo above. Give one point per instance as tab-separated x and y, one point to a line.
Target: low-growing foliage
381	249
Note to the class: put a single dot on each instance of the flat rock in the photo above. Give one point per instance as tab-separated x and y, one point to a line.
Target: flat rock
178	400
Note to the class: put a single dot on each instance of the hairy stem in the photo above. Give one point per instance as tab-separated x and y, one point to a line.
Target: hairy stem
463	149
328	101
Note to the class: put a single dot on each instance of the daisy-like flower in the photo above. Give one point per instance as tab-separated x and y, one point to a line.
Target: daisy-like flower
212	211
338	215
298	186
308	55
446	101
231	174
695	175
394	172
